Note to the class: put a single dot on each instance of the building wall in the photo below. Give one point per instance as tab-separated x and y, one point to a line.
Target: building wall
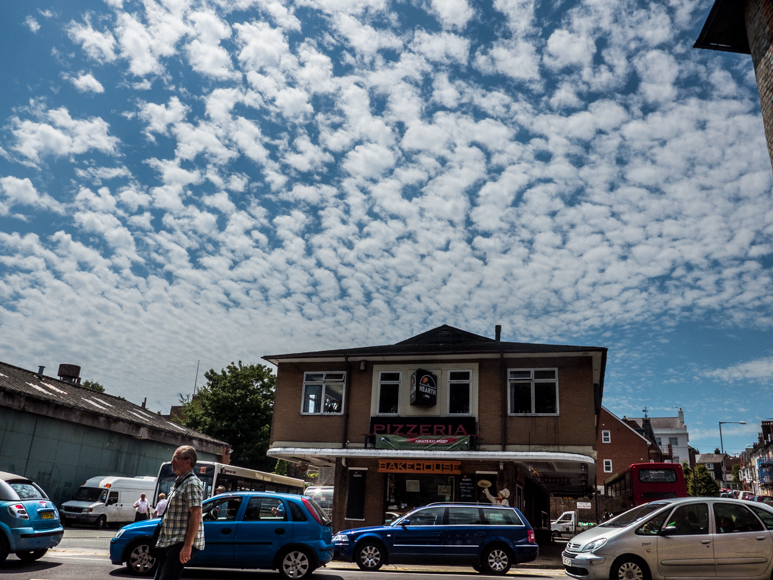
60	455
759	28
625	447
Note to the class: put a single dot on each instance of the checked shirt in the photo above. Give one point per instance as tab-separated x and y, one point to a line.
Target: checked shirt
185	494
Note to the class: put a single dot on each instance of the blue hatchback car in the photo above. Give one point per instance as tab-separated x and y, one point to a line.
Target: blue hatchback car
488	538
286	532
29	521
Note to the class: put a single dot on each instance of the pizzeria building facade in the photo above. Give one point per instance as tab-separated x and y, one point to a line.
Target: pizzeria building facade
447	415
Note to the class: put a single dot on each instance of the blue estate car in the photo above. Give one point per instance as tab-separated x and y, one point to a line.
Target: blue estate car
290	533
489	538
29	521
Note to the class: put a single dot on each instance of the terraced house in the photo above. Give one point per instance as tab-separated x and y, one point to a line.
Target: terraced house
443	416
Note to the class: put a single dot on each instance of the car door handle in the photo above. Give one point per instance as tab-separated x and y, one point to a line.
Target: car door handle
705	541
225	531
279	531
761	538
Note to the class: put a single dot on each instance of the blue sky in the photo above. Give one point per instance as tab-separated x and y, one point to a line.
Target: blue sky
212	181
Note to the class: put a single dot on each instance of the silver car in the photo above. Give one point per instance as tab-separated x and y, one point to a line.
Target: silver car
694	537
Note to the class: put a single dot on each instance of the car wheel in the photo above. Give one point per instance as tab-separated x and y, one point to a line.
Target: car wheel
369	556
629	569
4	549
496	561
139	561
31	555
100	523
296	564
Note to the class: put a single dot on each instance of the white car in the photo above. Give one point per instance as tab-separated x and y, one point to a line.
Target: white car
695	537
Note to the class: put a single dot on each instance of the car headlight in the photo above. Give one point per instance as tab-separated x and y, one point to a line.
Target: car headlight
339	538
120	533
594	545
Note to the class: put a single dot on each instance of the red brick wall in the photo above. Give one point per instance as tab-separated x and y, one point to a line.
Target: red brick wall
625	447
759	28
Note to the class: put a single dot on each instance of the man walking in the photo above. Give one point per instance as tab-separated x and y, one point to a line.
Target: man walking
182	533
160	506
143	509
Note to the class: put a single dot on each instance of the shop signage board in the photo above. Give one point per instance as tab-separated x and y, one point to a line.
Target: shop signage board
423	442
423	426
423	388
466	489
419	466
583	505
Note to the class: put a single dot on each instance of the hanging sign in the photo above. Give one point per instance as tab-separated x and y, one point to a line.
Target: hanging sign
424	442
423	388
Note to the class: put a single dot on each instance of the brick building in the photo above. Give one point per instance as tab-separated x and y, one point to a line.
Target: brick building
440	417
746	27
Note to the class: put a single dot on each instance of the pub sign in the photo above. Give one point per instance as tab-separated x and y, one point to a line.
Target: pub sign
423	389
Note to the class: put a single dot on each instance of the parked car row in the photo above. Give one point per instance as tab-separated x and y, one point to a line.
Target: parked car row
745	495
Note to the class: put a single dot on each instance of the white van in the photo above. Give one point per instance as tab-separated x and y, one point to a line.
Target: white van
107	500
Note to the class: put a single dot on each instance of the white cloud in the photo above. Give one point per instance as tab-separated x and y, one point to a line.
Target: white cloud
21	192
32	24
658	70
565	48
452	13
757	371
99	46
443	47
87	83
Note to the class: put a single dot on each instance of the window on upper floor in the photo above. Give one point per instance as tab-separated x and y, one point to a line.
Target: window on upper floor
323	393
388	393
607	466
673	441
657	440
459	392
606	437
533	391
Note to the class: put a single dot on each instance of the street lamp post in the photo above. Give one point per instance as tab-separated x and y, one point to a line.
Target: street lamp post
722	446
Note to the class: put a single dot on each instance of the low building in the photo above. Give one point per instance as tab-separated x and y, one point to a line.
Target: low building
59	434
442	416
671	435
713	462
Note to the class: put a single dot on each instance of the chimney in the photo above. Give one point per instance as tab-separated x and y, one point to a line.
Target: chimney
144	403
681	417
69	373
498	332
41	368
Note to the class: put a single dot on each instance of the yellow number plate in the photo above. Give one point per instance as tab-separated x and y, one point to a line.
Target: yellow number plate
46	515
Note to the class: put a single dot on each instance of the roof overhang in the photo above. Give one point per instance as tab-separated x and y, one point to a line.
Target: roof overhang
725	28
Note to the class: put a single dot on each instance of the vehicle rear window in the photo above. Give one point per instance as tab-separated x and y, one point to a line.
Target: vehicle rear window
463	516
494	517
657	475
27	490
298	515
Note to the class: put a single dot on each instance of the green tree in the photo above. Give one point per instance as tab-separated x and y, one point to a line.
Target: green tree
235	406
700	482
737	473
93	385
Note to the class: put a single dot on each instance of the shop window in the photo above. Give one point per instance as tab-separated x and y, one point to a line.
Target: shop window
459	389
533	391
323	393
388	393
606	437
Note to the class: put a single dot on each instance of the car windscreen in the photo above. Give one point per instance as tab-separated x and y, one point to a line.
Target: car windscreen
91	494
634	515
27	490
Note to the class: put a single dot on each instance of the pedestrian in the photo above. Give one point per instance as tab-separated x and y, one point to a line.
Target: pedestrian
143	509
500	499
182	533
220	489
160	506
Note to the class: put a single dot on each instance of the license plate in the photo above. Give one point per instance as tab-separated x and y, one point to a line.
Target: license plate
567	562
46	515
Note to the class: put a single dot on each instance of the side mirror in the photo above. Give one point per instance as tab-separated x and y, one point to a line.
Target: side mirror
406	522
669	531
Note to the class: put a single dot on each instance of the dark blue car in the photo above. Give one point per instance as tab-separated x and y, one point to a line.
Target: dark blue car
286	532
488	538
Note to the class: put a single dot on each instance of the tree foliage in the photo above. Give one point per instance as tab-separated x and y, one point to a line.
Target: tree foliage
93	385
235	406
700	482
737	473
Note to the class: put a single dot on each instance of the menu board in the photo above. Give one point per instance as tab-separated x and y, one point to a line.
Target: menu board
466	488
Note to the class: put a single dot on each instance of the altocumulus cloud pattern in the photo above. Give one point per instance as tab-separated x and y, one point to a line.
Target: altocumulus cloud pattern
184	180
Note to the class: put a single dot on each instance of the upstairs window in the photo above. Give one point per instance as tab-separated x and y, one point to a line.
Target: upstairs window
533	391
459	389
606	437
388	393
673	441
323	393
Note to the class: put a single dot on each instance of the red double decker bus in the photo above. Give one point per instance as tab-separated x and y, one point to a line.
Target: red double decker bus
641	483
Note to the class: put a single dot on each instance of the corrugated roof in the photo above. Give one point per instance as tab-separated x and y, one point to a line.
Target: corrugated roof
51	390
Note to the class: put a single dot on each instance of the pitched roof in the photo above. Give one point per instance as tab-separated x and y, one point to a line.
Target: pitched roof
24	383
441	340
625	424
708	458
660	422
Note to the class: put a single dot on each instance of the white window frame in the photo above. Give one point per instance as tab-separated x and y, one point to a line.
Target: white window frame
399	393
533	380
324	374
606	436
671	443
469	391
607	466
